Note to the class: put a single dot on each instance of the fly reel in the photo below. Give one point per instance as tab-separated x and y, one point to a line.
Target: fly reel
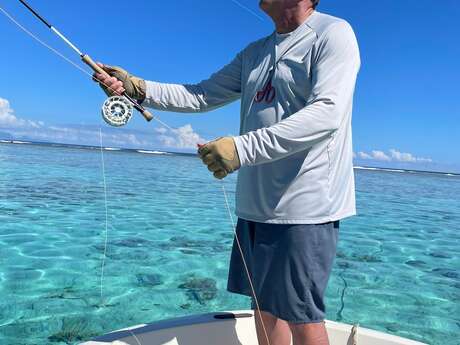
117	111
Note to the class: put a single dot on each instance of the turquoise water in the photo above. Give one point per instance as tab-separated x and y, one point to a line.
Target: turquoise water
169	237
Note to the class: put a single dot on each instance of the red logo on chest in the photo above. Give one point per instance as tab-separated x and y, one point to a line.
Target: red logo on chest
267	94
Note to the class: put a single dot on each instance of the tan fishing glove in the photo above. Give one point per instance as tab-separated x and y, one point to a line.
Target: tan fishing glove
220	156
134	86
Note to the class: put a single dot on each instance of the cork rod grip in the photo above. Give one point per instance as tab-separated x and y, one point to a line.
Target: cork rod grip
87	60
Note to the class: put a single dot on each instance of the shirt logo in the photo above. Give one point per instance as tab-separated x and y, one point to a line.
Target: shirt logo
267	94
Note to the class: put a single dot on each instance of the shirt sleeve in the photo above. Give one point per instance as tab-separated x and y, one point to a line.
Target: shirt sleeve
335	64
220	89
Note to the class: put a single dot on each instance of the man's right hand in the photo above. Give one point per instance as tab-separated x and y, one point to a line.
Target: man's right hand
118	81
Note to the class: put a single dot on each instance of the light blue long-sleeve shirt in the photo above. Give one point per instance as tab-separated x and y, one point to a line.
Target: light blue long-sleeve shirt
295	143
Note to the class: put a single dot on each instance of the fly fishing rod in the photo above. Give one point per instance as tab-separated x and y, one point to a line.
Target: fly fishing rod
116	110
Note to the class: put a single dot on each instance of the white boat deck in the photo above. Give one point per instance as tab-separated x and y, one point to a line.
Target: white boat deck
230	328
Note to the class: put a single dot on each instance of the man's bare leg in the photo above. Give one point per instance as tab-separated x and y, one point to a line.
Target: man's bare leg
309	333
277	330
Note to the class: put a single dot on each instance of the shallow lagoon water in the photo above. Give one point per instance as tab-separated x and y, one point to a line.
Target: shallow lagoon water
169	238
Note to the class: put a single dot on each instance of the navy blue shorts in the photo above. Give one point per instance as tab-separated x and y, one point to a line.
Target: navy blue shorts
289	266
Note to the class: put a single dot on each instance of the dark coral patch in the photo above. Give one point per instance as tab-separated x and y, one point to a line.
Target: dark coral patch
200	289
448	273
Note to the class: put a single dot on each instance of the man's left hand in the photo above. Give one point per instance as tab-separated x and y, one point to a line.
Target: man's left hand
220	156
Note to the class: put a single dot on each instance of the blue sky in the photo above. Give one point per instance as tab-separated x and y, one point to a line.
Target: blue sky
407	106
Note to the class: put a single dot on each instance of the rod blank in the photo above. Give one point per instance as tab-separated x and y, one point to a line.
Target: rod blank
70	44
35	13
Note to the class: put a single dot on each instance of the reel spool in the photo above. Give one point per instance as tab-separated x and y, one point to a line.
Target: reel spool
117	111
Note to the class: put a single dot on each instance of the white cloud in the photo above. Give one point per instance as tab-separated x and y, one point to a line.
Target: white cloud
161	130
364	155
380	156
393	156
408	157
375	155
183	137
9	120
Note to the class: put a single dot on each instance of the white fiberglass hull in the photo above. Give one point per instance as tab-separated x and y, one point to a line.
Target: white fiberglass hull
230	328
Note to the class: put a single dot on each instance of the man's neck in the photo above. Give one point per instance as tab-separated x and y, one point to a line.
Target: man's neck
290	19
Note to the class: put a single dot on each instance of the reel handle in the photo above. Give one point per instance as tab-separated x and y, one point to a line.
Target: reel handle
96	68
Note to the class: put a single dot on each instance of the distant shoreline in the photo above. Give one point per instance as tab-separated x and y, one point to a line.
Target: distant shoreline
91	147
161	152
406	170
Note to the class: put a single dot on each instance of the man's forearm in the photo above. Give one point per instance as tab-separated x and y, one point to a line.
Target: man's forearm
175	97
297	133
221	88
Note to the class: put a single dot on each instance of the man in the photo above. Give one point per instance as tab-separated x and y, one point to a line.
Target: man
294	155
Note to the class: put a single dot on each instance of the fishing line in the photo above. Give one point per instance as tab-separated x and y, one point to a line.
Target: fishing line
248	9
106	210
43	43
14	21
137	340
244	261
